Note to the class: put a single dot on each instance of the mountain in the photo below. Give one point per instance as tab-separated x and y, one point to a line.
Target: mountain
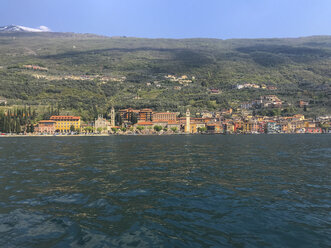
17	28
84	73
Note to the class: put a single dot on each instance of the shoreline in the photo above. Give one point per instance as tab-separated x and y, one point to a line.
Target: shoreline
178	134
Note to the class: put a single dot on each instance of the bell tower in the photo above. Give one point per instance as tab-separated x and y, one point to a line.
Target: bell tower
112	117
188	122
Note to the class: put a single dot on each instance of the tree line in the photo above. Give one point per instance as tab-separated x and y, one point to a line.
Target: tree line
17	120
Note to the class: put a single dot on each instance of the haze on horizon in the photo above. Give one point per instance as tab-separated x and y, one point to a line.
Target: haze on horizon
222	19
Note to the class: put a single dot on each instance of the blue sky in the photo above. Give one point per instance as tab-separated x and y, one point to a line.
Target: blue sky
174	18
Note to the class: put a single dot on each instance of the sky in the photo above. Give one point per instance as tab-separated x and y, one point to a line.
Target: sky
221	19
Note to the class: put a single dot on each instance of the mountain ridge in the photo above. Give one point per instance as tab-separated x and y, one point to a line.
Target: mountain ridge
77	63
19	28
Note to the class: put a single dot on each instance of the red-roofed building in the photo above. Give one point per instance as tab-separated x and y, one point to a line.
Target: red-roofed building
65	122
46	126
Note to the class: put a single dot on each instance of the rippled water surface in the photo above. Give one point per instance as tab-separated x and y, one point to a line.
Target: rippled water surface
166	191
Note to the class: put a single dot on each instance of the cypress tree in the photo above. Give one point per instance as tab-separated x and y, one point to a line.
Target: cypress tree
18	126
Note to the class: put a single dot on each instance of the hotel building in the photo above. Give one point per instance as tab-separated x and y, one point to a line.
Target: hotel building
63	123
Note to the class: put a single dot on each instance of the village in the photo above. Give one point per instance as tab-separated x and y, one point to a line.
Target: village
146	121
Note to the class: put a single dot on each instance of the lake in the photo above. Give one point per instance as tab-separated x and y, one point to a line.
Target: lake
166	191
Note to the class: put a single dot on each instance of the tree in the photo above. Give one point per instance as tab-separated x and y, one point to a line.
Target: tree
114	129
202	129
88	129
18	126
31	128
118	119
72	128
157	128
99	129
134	118
140	128
174	129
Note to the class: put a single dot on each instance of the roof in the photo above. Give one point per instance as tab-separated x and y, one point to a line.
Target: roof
66	117
146	110
145	123
47	121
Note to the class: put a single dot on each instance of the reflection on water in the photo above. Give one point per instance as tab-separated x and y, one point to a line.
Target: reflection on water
176	191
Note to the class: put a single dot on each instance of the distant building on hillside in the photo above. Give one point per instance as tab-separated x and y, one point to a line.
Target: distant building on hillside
3	101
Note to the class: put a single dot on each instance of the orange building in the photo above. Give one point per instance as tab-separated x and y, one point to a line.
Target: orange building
142	115
145	115
165	116
46	126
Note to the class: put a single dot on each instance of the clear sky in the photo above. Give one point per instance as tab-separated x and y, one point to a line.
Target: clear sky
174	18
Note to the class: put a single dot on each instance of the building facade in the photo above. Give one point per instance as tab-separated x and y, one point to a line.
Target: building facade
64	123
103	124
165	116
46	126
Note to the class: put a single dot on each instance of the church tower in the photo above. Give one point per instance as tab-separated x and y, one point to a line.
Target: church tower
188	122
112	117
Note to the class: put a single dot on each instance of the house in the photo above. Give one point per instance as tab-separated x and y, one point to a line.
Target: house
313	130
303	104
214	91
46	127
272	88
246	105
273	127
214	128
3	101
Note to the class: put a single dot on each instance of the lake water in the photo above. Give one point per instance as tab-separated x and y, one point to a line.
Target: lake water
166	191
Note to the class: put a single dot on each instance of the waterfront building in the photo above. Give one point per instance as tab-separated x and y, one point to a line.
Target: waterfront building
145	115
141	115
165	116
313	130
214	128
273	127
46	126
127	114
103	124
63	123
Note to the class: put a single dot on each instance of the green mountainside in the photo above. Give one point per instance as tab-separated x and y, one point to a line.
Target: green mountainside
84	74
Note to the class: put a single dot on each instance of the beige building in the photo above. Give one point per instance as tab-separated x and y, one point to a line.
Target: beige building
103	124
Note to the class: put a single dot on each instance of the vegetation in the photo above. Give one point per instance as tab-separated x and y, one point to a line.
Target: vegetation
174	129
140	128
157	128
12	121
88	74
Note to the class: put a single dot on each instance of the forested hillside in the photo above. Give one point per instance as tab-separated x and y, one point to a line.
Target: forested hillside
87	74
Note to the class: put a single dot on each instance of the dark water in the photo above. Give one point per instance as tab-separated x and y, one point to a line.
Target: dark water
175	191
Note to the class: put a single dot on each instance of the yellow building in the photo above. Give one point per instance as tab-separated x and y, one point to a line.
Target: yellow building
63	123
